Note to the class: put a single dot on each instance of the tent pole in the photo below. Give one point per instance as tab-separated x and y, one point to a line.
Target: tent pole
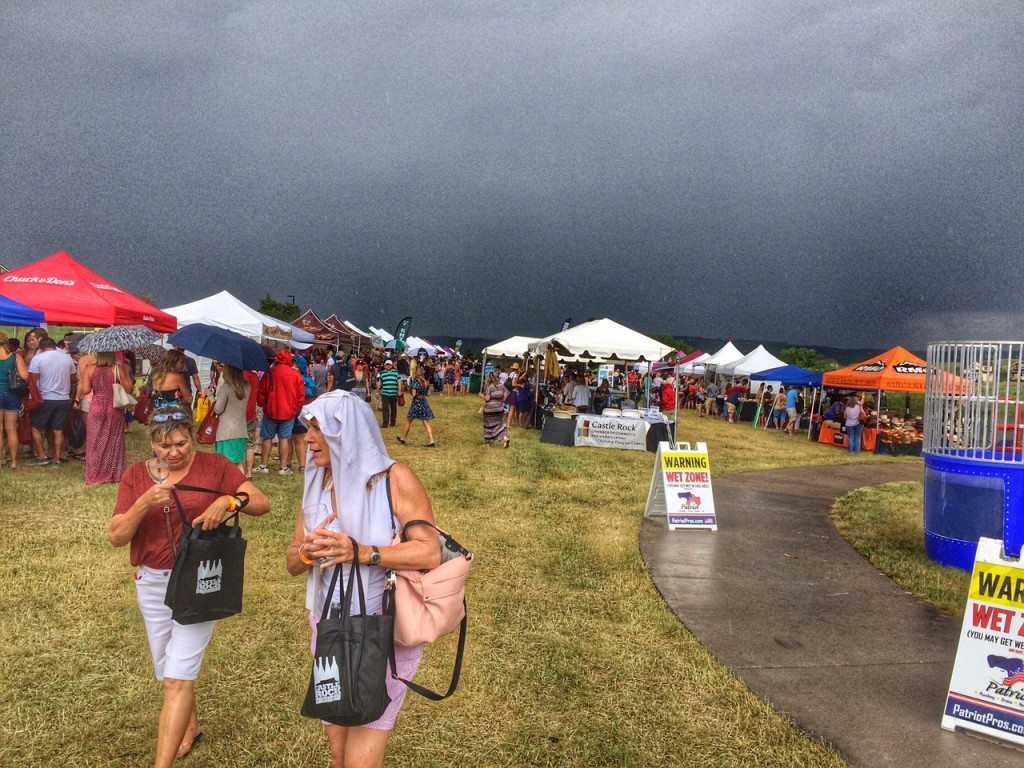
536	389
878	409
810	413
675	414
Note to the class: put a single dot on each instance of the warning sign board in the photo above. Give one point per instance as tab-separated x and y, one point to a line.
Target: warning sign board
681	487
986	692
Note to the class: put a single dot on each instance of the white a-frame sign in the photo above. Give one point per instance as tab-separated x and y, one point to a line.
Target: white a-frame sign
681	487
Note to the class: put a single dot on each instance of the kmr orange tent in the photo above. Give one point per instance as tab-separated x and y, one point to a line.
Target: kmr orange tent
897	370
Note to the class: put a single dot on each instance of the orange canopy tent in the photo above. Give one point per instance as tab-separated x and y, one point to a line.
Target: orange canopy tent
897	370
68	293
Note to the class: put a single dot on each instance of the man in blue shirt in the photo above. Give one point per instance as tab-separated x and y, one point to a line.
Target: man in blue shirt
791	417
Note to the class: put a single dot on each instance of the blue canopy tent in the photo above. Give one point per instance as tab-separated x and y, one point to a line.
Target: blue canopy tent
792	375
789	375
15	313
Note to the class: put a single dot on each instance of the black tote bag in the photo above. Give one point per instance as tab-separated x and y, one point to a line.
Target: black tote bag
348	683
209	570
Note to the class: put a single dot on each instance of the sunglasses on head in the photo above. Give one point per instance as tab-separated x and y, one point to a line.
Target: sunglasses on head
162	418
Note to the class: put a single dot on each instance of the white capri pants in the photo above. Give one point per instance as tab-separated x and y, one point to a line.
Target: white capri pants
177	649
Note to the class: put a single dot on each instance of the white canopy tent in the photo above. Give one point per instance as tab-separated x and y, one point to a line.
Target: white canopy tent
514	346
726	355
604	339
356	329
225	311
695	367
759	359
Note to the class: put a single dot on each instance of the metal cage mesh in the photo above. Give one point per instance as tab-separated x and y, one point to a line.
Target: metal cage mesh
973	404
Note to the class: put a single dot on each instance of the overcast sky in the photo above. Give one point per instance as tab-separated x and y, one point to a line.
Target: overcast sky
847	174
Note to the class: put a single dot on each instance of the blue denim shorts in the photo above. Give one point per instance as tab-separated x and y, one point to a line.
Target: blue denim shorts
271	428
9	401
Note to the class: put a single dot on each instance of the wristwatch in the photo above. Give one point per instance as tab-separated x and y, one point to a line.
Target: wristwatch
374	556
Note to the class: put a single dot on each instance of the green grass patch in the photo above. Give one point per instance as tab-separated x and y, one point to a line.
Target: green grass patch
573	658
884	523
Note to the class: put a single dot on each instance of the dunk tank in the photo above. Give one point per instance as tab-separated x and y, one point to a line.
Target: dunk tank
973	435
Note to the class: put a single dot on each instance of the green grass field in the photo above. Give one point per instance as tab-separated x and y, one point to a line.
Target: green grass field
573	658
884	524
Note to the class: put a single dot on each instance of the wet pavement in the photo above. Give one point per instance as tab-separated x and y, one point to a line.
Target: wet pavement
780	598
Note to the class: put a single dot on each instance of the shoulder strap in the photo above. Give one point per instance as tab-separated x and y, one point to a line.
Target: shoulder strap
389	608
456	673
196	489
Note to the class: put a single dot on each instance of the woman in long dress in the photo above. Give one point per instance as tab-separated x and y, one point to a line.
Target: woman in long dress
495	429
105	454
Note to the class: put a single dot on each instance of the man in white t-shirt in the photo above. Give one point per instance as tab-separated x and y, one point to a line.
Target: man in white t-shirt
51	369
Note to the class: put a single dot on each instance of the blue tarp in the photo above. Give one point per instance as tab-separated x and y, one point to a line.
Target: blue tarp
13	313
789	375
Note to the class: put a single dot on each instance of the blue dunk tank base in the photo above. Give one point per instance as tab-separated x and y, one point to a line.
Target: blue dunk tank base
969	497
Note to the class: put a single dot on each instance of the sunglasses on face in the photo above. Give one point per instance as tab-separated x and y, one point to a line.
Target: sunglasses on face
163	418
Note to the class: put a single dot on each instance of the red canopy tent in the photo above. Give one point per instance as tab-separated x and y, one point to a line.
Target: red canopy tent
68	293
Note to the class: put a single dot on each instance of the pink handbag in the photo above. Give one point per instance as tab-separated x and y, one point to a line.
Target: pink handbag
431	604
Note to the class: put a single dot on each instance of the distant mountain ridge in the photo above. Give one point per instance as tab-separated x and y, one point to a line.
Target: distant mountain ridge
840	355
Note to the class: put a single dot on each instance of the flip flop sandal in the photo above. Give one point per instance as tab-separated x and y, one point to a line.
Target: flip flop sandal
195	741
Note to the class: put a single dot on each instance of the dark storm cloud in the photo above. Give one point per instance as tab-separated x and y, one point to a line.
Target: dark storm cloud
821	174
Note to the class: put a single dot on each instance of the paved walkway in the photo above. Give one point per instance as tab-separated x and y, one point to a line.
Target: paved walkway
808	625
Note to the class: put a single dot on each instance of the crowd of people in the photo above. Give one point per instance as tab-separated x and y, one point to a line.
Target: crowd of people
313	407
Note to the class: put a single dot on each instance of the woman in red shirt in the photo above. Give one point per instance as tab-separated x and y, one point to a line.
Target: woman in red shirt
146	517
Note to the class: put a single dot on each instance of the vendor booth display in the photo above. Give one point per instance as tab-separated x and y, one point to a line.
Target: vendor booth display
322	332
897	370
601	340
68	293
795	376
349	334
627	430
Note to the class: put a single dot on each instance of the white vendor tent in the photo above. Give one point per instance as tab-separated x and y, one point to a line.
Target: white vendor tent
602	339
225	311
514	346
726	355
760	359
695	367
380	333
357	330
